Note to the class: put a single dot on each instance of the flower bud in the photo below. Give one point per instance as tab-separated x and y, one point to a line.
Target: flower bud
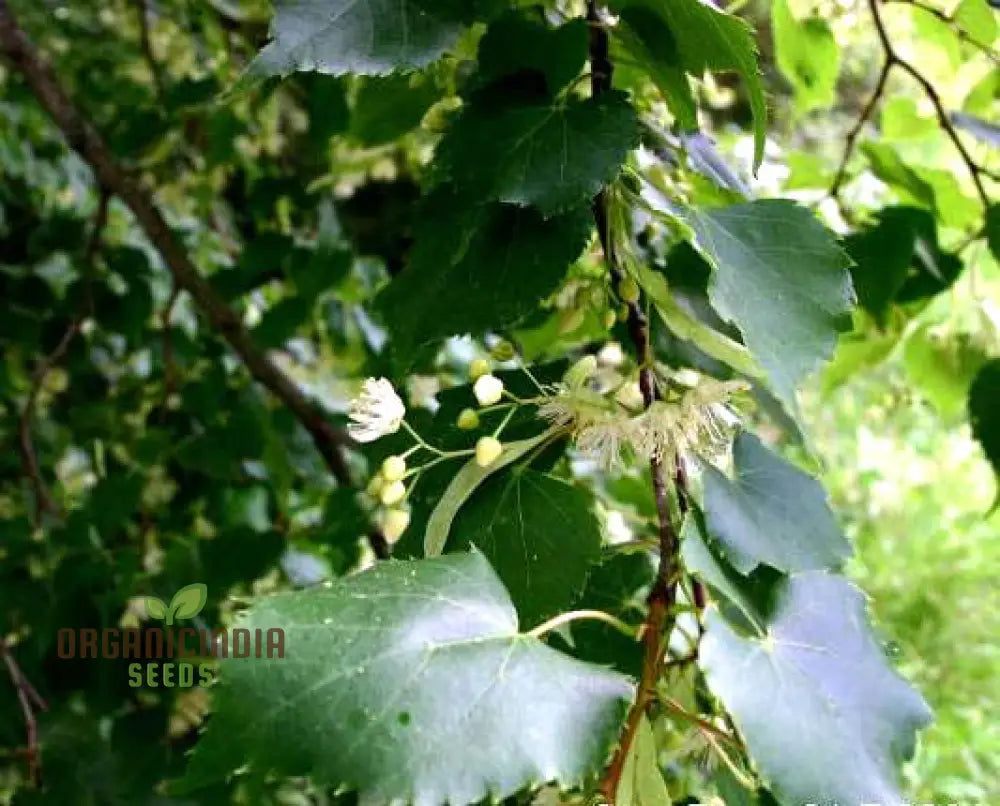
628	290
375	485
394	523
488	450
478	368
488	390
610	317
393	493
394	468
503	351
468	420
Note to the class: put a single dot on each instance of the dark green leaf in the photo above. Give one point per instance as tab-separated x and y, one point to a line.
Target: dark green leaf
825	717
984	412
475	270
553	155
539	533
388	107
771	513
516	45
780	277
400	683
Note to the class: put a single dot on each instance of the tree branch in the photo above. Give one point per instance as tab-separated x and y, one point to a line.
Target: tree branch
893	59
960	32
84	139
30	699
663	594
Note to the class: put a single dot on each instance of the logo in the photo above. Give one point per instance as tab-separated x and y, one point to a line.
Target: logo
170	656
186	604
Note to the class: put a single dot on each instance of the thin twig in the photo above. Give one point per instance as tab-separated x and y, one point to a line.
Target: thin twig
84	138
854	133
29	699
962	34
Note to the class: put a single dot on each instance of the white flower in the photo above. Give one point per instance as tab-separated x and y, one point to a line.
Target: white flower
394	523
488	390
376	412
393	493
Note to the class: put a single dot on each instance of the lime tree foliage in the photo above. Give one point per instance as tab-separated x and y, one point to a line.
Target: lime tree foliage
451	338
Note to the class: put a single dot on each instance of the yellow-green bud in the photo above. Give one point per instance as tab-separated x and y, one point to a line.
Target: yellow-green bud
394	523
375	485
394	468
478	368
503	351
628	290
393	493
610	317
468	420
488	450
488	390
623	313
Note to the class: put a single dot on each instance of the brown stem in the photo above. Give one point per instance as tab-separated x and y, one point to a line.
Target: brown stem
84	139
29	699
893	59
663	594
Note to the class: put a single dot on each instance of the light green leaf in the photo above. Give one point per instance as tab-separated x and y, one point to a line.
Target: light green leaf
686	326
771	513
978	20
410	683
539	533
156	608
188	602
366	37
888	166
694	36
781	278
943	368
641	782
825	717
463	485
552	155
807	54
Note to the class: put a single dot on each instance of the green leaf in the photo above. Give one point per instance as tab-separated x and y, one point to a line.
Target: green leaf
516	45
387	107
978	20
539	533
984	412
942	368
771	513
993	230
366	37
552	155
807	54
701	38
463	485
156	608
188	601
825	717
782	279
410	683
641	782
477	269
887	165
688	327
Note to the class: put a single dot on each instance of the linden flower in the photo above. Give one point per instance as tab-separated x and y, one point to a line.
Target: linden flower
376	412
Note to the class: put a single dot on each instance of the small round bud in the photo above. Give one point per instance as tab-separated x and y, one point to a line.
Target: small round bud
393	493
394	468
623	313
628	290
488	390
581	371
610	317
503	351
375	485
468	420
478	368
488	450
572	320
394	523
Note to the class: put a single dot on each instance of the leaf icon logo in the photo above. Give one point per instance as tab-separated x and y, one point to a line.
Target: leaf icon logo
186	604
